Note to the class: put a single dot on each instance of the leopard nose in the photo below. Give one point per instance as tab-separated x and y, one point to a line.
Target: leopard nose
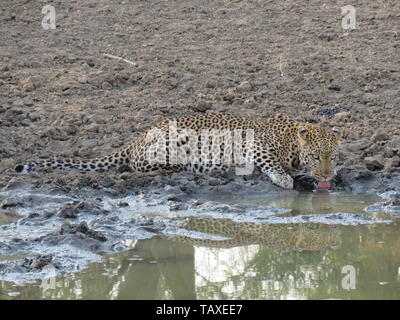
327	176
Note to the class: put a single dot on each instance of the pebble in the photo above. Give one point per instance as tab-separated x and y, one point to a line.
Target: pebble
341	116
106	85
202	106
374	163
55	134
28	102
29	84
334	87
93	127
380	135
84	79
245	86
250	102
358	146
18	103
329	113
10	202
391	164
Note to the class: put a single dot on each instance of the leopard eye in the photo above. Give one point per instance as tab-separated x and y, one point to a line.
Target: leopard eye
315	156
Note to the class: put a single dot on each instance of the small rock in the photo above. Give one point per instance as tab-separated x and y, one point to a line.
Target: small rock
10	202
55	134
125	175
327	36
202	106
18	103
99	120
93	127
29	87
70	129
388	152
250	102
69	211
341	116
358	146
374	163
394	200
299	78
391	164
106	85
15	183
38	262
67	228
106	182
210	84
228	96
123	204
174	206
393	147
28	102
334	86
29	84
380	135
330	112
84	79
245	86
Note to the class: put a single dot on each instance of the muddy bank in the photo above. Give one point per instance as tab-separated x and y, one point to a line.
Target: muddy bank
59	231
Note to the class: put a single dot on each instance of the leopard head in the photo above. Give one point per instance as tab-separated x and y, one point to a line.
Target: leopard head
319	151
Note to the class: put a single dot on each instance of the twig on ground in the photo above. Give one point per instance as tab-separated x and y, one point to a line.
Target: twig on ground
280	65
119	58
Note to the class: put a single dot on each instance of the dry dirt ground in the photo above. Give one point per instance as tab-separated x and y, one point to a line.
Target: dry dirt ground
60	95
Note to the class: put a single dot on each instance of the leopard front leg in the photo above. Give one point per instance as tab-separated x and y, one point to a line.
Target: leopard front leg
282	180
277	175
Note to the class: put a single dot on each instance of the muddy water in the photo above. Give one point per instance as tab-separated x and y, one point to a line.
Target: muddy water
308	260
318	202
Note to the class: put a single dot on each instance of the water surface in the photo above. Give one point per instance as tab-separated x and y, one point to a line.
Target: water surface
252	261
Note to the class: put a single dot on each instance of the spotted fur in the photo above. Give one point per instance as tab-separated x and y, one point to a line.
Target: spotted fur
280	144
280	237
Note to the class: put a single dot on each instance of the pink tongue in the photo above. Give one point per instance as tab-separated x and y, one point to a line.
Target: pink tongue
323	185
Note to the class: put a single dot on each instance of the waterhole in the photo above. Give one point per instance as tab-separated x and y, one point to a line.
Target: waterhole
349	254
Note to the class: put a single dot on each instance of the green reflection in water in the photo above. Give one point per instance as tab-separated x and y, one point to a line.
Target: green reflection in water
165	269
259	261
317	202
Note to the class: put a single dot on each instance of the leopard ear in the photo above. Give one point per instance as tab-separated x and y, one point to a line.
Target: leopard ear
337	133
302	134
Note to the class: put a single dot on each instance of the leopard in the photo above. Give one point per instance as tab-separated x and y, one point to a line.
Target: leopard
217	141
279	237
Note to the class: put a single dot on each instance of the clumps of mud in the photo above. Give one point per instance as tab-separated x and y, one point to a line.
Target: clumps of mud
72	231
391	205
30	266
72	209
38	262
65	231
73	241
